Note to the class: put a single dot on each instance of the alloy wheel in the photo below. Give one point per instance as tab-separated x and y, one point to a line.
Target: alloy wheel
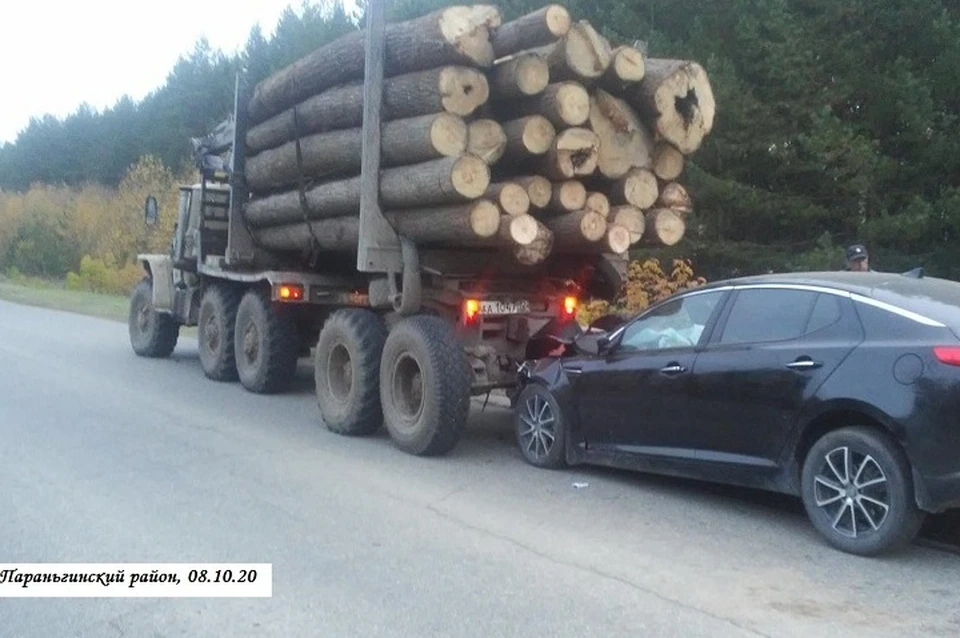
539	433
852	489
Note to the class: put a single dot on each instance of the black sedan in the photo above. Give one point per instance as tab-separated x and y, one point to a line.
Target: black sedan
841	388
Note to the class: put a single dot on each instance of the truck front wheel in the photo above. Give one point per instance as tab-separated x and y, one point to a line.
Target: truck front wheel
152	333
265	345
347	372
425	381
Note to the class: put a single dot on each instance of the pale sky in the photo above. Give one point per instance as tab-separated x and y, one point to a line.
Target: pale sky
55	55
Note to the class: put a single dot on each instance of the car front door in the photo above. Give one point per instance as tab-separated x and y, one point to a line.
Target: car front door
633	399
769	355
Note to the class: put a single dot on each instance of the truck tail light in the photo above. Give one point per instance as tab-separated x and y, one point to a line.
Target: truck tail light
290	292
471	310
569	307
949	355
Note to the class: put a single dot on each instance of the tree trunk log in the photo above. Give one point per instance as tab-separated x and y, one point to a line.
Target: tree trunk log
577	228
598	203
631	218
565	104
539	189
537	251
573	154
456	35
675	96
675	197
527	137
616	240
455	89
326	155
582	54
667	162
664	227
520	76
534	29
637	188
453	226
512	198
438	182
568	196
486	140
626	68
625	142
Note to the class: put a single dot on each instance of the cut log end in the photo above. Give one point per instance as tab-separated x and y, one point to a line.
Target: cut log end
511	197
618	239
598	203
568	196
538	250
484	218
675	197
558	20
638	188
577	228
587	52
470	176
667	162
573	103
467	28
539	190
630	218
521	76
449	135
627	64
664	227
625	142
487	140
684	102
574	153
463	89
520	230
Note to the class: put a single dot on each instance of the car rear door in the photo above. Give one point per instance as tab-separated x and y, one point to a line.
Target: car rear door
773	349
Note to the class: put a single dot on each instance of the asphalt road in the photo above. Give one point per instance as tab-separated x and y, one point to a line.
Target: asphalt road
106	457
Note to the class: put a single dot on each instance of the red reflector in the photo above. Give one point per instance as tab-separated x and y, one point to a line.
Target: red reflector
290	292
949	355
471	308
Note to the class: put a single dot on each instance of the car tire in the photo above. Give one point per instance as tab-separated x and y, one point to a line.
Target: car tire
215	325
347	372
540	428
857	488
425	382
152	334
265	345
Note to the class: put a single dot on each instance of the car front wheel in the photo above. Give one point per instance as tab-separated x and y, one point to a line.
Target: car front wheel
858	492
540	428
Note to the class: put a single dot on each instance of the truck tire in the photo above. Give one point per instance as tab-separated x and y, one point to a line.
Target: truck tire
265	345
217	320
347	372
425	381
152	334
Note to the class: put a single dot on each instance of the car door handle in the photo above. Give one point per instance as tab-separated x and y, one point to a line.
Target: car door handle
673	368
804	363
573	370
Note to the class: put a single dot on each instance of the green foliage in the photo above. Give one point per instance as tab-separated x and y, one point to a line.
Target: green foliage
97	275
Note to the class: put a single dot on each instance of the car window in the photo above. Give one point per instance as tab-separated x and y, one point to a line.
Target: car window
675	324
768	314
826	312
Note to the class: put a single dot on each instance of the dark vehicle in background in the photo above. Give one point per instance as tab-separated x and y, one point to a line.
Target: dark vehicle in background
840	388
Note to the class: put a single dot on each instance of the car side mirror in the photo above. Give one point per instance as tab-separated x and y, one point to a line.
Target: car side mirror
603	344
150	212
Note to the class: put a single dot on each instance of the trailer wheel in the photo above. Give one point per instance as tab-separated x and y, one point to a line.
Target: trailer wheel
347	372
425	381
215	325
265	345
152	334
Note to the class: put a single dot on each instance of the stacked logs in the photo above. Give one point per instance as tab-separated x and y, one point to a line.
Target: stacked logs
535	136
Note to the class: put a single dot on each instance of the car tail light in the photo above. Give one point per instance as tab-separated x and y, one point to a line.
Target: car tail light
471	310
569	307
290	292
949	355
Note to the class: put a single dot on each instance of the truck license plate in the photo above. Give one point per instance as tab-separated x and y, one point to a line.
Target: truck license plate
504	307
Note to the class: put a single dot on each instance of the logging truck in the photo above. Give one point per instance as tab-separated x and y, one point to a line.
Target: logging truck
404	327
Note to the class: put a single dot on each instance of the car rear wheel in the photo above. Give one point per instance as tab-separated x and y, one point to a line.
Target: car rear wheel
858	492
540	428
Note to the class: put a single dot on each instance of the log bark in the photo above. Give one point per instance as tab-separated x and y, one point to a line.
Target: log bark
637	188
527	137
667	162
486	140
534	29
456	35
537	251
616	241
512	198
565	104
631	218
520	76
573	154
598	203
438	182
454	89
539	189
625	142
664	227
577	228
568	196
431	226
626	67
675	197
582	54
325	155
675	96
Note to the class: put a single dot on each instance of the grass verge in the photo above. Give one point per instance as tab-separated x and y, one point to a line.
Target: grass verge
51	295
